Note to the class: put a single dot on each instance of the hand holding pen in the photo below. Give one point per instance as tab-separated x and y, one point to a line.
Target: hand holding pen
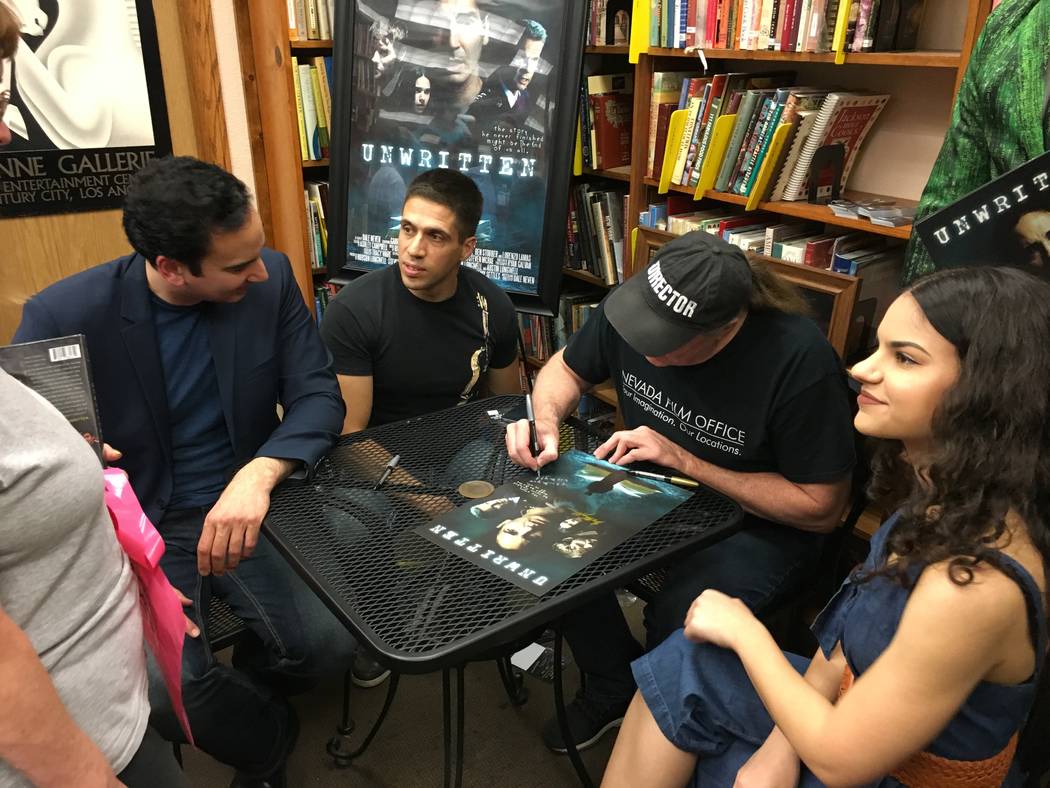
532	444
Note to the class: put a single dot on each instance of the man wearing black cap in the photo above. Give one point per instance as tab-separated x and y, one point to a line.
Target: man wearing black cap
721	378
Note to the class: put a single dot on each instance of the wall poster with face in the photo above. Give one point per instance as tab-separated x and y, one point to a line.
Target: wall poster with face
486	87
86	105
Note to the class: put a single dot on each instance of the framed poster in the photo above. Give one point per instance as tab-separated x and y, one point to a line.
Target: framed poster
86	105
488	87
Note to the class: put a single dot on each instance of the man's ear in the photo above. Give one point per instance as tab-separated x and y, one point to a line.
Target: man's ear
171	270
468	246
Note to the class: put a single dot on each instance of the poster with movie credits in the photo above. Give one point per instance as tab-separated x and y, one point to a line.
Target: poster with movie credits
463	84
86	105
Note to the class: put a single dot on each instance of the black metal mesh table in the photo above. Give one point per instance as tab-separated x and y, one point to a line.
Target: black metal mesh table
417	606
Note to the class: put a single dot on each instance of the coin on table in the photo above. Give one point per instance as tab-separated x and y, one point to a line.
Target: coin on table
476	489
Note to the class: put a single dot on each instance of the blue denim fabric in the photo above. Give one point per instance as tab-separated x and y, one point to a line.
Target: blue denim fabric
758	565
239	715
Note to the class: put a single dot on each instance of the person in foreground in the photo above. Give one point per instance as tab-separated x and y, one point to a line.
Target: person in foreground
194	340
720	378
930	652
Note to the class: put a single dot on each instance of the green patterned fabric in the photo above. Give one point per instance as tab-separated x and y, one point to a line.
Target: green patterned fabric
998	121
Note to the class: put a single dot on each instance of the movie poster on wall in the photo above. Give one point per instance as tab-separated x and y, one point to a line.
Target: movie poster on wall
86	105
466	84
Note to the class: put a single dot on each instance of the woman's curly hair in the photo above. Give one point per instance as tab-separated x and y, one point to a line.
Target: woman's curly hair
991	432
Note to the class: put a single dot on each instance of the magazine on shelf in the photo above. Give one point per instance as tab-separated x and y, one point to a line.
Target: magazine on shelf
538	532
1004	222
58	370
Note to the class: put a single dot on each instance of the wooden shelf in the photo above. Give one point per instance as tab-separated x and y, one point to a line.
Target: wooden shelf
616	173
607	49
606	392
584	276
319	271
923	58
815	213
535	363
323	43
316	163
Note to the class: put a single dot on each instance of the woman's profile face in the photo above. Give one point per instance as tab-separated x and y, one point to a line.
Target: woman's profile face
905	379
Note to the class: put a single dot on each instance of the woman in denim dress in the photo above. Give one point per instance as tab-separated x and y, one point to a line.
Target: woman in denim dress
930	652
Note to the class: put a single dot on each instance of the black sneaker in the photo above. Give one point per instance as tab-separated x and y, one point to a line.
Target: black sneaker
366	672
589	719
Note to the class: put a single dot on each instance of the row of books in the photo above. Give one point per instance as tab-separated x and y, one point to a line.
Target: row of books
608	23
756	107
786	25
316	195
311	20
606	109
793	241
544	336
595	231
313	105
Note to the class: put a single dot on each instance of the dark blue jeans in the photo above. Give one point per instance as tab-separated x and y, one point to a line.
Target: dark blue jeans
239	715
760	564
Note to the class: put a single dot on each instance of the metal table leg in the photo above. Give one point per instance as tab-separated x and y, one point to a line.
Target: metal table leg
448	713
338	746
563	718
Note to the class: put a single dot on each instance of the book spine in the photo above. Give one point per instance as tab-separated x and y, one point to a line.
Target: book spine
304	150
868	42
751	149
309	113
322	122
313	32
322	20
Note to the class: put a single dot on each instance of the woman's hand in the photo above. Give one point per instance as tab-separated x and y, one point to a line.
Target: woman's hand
717	618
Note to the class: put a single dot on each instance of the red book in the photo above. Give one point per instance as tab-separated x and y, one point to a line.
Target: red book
787	31
612	128
711	34
663	120
740	221
818	252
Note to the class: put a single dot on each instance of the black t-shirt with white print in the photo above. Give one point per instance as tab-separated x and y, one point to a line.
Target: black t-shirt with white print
422	356
773	400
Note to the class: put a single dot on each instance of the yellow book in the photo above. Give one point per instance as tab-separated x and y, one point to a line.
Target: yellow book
322	117
304	151
326	95
838	43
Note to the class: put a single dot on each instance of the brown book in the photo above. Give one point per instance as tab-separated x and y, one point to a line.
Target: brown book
663	120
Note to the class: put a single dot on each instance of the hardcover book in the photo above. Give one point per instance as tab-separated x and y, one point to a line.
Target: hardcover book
538	532
57	369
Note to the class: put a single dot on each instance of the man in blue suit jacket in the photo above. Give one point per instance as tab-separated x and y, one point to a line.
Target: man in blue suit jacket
193	341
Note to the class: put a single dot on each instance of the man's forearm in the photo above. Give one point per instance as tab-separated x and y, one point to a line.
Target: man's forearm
267	472
558	390
37	735
768	495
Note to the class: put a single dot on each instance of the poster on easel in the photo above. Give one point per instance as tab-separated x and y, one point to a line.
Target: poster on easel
485	87
86	105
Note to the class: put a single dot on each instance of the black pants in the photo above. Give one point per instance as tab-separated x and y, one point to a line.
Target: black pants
758	565
153	765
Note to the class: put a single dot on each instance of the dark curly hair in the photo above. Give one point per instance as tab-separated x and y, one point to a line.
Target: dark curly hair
174	205
991	432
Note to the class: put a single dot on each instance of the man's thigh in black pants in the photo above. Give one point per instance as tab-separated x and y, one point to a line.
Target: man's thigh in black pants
758	565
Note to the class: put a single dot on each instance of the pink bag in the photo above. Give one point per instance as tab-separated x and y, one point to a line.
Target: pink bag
162	616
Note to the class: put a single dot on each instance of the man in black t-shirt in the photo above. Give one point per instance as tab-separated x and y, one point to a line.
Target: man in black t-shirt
719	379
427	333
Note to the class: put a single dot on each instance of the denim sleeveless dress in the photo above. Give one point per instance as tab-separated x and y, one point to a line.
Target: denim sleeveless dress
703	701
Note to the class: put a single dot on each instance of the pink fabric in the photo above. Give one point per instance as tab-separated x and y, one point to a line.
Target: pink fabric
162	617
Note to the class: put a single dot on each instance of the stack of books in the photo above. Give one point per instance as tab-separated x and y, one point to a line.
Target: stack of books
311	20
737	124
316	196
606	107
595	232
313	105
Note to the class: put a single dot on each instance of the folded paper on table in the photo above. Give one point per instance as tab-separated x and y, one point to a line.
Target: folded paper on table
163	621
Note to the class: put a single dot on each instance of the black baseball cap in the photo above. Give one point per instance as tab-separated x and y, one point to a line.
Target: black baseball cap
697	283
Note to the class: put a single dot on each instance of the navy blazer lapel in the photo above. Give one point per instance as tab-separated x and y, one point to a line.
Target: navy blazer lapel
222	339
140	341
